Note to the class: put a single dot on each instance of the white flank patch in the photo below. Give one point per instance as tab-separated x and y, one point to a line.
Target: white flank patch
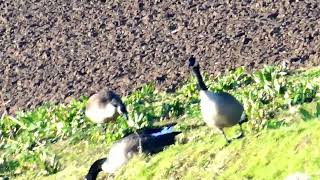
165	130
119	110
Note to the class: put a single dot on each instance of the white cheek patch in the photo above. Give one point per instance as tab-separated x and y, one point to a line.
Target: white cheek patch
119	110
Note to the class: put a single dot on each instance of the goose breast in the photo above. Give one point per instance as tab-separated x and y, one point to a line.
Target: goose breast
220	109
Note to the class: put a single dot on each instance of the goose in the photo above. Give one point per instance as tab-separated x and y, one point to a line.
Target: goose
219	109
153	140
105	106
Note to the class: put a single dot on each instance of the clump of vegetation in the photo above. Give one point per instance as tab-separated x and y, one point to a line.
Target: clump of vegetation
27	139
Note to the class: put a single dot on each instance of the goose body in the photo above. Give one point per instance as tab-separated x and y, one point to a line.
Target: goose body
104	107
219	109
153	140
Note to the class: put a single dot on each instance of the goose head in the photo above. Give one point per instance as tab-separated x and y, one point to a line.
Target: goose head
121	108
194	66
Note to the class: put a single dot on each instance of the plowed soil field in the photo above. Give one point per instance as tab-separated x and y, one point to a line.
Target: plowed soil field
52	50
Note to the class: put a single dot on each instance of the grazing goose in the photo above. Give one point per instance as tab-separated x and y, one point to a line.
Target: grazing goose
104	107
219	109
153	140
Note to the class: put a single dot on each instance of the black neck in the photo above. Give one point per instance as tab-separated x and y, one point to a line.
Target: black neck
201	84
95	169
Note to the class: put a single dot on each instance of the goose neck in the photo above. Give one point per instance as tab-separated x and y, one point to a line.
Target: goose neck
201	84
95	169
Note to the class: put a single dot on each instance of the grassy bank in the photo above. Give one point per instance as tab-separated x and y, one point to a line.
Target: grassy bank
57	141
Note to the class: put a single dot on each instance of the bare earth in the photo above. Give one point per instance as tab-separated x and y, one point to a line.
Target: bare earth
53	50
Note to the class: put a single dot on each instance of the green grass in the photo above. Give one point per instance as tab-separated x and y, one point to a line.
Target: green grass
272	154
58	142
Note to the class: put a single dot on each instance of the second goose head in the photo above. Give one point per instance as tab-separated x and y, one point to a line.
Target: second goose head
105	106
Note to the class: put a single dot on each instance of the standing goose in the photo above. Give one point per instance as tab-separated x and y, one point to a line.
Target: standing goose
104	107
153	140
219	109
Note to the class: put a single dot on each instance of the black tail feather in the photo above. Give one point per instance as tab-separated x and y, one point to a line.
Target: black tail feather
155	144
